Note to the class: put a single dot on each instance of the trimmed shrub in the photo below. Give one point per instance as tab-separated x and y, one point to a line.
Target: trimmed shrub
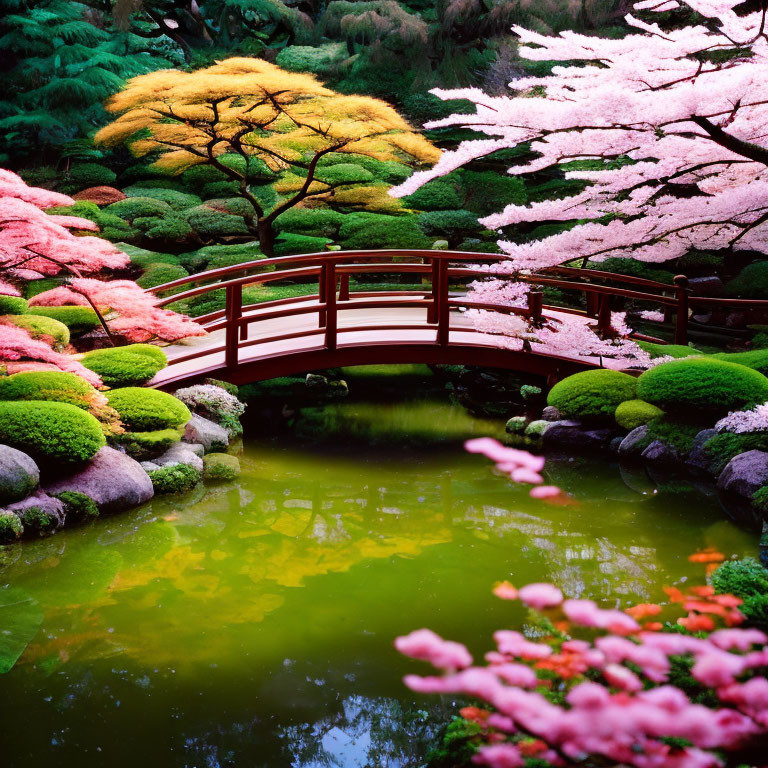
592	394
365	231
143	445
139	207
167	227
161	273
78	319
48	430
176	200
11	527
757	359
320	59
178	478
148	409
721	448
288	244
126	366
438	195
82	175
46	329
702	384
237	206
143	258
220	466
56	386
743	578
669	350
78	507
316	222
12	305
214	256
751	282
484	189
210	223
453	225
634	413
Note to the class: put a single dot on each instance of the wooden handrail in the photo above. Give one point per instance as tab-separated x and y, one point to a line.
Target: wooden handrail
333	270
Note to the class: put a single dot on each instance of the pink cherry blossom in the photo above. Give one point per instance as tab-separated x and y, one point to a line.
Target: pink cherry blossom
426	645
540	596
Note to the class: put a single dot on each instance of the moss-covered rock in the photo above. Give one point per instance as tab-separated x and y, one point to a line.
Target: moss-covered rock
50	431
19	475
701	384
126	366
78	507
148	409
146	444
178	478
220	466
11	527
37	520
592	395
634	413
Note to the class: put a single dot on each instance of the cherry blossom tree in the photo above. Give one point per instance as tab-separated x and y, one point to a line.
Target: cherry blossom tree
677	115
129	310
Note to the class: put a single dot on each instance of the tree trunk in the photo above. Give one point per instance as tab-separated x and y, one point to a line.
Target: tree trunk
266	238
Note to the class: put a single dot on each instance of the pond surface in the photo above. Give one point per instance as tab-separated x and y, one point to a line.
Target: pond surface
251	624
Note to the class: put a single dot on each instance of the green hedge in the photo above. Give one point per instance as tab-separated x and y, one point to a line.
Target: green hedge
78	319
148	409
364	231
210	223
288	244
56	386
41	327
178	478
126	366
315	222
592	394
139	207
177	200
634	413
702	384
47	430
12	305
437	195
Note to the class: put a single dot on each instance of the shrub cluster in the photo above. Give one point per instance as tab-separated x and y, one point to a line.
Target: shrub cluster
148	409
177	478
126	366
592	395
50	431
78	319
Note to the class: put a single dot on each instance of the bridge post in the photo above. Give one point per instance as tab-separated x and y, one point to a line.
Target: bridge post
321	294
604	315
234	304
330	306
681	316
443	308
593	303
535	306
344	286
432	308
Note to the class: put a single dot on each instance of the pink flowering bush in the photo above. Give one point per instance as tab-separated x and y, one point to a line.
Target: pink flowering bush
132	312
606	687
753	420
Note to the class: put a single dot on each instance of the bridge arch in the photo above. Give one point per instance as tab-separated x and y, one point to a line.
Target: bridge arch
337	326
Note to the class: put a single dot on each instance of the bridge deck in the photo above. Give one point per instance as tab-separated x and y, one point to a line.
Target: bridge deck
307	344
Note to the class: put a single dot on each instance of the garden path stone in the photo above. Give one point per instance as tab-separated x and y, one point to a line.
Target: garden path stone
114	480
19	474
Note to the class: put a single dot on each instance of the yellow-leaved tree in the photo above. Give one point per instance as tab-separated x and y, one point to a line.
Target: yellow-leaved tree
260	126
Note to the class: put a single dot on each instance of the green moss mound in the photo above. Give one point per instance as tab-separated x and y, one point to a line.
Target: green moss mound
47	430
78	507
315	222
78	319
43	328
11	528
58	386
220	467
634	413
12	305
670	350
126	366
592	394
678	435
37	521
178	478
148	409
702	385
757	359
157	274
720	449
145	445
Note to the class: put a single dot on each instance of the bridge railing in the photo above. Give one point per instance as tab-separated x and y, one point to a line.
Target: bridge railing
333	270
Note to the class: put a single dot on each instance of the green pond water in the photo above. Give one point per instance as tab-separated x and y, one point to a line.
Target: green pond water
251	623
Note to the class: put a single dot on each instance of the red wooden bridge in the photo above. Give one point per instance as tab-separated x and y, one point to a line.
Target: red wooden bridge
337	326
